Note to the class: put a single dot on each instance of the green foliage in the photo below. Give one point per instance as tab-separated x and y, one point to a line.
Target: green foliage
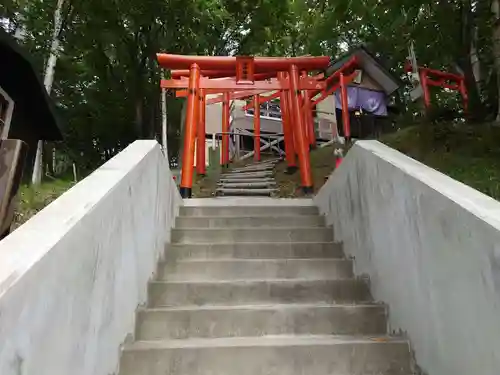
467	154
32	199
107	79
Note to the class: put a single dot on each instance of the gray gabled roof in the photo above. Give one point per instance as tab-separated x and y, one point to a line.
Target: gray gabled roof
371	65
20	80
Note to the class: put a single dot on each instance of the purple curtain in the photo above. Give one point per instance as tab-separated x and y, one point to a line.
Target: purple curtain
370	101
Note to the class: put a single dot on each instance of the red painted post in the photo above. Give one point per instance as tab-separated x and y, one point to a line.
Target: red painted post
287	128
425	89
465	96
308	108
190	133
225	130
256	127
201	142
308	116
345	107
300	132
293	124
309	121
304	119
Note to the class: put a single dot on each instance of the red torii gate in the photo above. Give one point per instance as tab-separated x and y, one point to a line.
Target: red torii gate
236	75
200	166
437	78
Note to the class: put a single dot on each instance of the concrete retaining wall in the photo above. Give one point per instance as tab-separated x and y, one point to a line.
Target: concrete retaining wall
431	246
72	277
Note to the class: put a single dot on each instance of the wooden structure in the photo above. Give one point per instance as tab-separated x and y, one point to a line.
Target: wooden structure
12	158
26	111
368	97
26	116
242	127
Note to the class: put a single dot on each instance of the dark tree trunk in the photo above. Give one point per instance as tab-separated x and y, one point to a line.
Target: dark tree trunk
154	128
495	8
464	61
139	110
476	110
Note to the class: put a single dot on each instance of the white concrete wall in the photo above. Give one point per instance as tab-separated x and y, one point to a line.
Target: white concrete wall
431	246
72	277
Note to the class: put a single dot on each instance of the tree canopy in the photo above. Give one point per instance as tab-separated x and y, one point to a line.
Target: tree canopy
107	80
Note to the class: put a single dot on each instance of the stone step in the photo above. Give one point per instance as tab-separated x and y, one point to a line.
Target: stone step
255	269
264	162
269	168
247	185
241	179
247	181
238	321
249	211
251	235
262	250
249	221
256	292
281	355
252	168
245	191
247	175
257	167
236	174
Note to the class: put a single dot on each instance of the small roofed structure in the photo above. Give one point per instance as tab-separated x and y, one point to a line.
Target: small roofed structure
26	111
27	115
369	96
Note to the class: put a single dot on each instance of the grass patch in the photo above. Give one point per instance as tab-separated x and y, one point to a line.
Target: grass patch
322	165
467	153
32	199
205	186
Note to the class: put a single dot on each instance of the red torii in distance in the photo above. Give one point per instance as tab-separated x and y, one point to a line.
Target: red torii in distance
437	78
241	75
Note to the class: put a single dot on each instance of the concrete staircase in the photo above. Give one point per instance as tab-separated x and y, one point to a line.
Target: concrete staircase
252	180
260	290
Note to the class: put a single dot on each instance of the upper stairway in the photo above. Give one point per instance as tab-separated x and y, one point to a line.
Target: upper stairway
260	289
256	179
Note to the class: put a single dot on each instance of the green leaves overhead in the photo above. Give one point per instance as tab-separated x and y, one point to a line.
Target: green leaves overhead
107	78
